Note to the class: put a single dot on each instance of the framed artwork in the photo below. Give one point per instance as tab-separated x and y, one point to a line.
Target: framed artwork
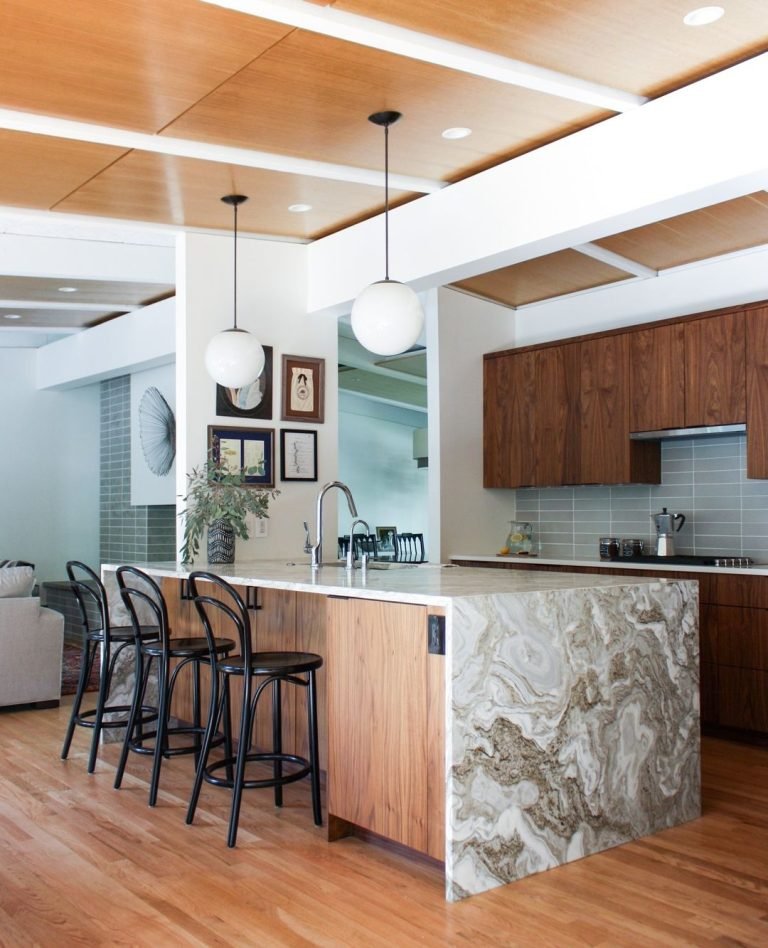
298	455
245	447
303	388
250	401
385	540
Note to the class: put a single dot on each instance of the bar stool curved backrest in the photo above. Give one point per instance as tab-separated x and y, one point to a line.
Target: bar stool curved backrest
98	636
142	595
258	671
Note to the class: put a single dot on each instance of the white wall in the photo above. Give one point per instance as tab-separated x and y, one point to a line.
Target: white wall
49	469
272	305
463	515
376	461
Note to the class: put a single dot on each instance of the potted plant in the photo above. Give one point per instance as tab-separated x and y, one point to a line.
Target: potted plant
219	499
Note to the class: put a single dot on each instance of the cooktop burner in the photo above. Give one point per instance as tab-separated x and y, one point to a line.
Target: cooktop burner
686	559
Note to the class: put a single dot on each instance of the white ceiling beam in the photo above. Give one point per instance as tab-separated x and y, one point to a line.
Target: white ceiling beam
54	127
376	34
690	149
615	260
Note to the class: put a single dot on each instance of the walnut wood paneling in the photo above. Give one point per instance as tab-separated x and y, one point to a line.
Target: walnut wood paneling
112	292
741	637
715	391
378	718
137	188
509	392
707	232
735	589
757	392
555	274
136	65
312	95
588	39
657	378
311	636
436	773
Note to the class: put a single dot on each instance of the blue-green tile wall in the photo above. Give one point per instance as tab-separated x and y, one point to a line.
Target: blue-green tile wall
703	478
127	534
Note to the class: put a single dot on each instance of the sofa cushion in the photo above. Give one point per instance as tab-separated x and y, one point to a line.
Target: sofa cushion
16	581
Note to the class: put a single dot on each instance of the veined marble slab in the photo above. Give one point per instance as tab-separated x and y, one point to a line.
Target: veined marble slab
574	726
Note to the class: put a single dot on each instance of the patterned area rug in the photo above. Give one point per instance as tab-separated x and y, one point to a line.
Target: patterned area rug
70	670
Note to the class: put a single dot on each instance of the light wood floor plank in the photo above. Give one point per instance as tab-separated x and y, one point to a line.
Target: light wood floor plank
84	864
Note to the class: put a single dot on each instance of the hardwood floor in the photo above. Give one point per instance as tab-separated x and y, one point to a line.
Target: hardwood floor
84	864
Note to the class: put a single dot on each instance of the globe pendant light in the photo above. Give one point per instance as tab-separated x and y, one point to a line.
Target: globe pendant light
387	317
234	357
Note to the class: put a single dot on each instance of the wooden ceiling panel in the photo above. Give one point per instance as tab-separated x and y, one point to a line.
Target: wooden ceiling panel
187	193
711	231
40	318
110	294
132	63
553	275
310	96
642	48
37	171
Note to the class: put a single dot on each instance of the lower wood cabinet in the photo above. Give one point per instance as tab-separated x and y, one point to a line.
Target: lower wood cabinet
284	621
386	723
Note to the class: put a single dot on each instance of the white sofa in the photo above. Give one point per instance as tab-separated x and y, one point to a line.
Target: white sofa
31	647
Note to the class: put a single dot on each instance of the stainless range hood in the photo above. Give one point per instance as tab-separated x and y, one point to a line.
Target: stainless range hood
707	431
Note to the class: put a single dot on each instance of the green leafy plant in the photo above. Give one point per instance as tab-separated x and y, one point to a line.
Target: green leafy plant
216	492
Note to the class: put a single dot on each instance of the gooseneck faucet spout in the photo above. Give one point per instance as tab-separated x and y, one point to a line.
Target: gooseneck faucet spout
316	549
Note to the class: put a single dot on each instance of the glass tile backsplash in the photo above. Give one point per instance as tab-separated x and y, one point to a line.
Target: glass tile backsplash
703	478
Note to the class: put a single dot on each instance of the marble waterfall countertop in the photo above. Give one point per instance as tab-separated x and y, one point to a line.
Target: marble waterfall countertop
571	708
422	584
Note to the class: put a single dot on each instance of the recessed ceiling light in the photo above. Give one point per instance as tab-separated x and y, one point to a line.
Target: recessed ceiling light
703	16
457	132
67	289
299	208
12	315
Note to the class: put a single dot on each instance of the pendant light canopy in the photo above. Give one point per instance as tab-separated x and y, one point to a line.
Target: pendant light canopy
387	317
234	357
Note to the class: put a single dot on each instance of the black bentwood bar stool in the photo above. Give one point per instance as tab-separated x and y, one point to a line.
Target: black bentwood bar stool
99	635
171	655
258	671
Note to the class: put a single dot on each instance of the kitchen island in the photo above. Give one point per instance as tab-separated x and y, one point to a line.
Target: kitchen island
503	722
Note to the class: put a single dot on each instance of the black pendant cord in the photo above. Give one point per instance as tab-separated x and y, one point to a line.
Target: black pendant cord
234	280
234	201
386	202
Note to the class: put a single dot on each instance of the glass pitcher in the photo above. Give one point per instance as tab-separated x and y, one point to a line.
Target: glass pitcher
519	538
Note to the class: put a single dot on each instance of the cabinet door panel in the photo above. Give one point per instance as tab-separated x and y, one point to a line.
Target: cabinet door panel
508	434
757	392
715	391
378	716
555	444
604	411
743	698
742	637
657	378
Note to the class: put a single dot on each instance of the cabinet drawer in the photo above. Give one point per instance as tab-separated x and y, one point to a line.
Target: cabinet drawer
731	589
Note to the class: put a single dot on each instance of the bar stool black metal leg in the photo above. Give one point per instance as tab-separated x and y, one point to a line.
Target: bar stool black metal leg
105	679
215	711
314	757
85	673
277	739
161	731
246	721
141	676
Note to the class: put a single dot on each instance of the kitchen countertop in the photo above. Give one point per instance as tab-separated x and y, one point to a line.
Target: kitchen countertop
759	569
421	584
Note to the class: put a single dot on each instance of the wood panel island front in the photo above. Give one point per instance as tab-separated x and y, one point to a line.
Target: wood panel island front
501	722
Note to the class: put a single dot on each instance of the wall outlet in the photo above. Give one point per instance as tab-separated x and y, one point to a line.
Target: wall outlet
260	529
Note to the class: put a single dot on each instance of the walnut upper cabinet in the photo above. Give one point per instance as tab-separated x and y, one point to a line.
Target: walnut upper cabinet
607	454
715	389
757	392
657	378
688	374
531	410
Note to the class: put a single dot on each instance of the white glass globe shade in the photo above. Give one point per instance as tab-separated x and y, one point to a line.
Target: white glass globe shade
234	358
387	317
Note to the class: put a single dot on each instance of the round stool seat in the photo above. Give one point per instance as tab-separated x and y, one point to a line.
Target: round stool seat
273	663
